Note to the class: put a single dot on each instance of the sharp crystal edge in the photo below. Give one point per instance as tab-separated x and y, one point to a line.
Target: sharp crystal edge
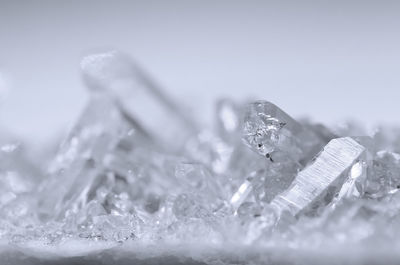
287	144
244	189
110	183
123	99
264	184
318	183
139	97
268	129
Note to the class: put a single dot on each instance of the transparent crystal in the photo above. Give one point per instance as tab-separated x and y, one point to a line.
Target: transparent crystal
139	97
189	206
278	177
122	175
263	185
357	180
79	161
230	161
353	221
317	184
242	193
196	178
268	129
260	224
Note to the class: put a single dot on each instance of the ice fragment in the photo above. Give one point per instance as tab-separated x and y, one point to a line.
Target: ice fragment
268	129
80	159
319	182
139	97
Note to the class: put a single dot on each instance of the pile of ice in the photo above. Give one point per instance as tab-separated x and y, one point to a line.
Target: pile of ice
137	169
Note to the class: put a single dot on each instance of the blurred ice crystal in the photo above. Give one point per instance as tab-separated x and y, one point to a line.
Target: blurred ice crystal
18	175
136	93
136	167
80	158
229	119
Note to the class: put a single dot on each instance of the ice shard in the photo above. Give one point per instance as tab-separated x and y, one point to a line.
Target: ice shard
356	183
317	184
139	97
127	110
80	158
118	178
223	150
269	129
246	188
277	178
264	184
241	194
235	159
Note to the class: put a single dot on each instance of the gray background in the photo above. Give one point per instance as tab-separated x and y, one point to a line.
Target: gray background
330	60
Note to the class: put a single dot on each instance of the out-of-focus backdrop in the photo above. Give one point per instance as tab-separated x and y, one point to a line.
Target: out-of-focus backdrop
329	60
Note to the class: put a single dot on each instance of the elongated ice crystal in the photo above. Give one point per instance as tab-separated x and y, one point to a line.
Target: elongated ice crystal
136	168
318	183
138	96
80	158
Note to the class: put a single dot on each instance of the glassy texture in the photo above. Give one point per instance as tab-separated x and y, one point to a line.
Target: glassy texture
139	97
138	170
317	184
268	129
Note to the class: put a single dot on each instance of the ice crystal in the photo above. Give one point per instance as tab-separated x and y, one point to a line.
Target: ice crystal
137	169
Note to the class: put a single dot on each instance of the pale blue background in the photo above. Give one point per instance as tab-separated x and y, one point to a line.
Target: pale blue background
326	59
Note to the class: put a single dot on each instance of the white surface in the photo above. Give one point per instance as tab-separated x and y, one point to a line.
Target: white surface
134	253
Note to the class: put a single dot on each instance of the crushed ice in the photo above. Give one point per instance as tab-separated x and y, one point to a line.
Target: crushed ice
137	167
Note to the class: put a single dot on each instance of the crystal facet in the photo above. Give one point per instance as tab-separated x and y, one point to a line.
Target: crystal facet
80	158
318	183
138	96
136	178
268	129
